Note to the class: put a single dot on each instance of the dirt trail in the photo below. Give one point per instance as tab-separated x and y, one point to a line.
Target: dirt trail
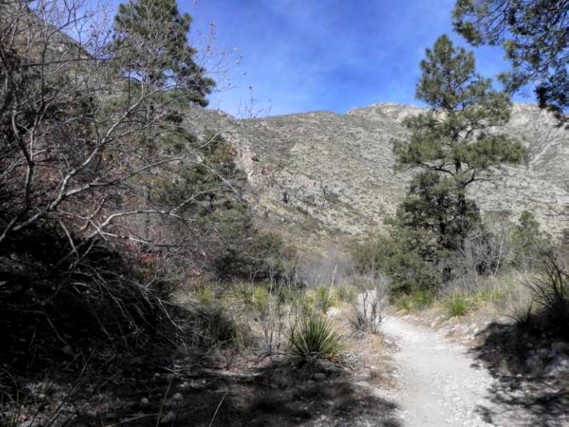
439	383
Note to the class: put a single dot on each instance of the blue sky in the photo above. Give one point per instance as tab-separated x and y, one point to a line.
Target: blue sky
305	55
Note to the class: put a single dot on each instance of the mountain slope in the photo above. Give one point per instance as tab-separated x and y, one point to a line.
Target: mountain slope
336	171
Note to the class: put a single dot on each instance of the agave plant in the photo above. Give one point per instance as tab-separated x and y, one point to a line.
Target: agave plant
314	339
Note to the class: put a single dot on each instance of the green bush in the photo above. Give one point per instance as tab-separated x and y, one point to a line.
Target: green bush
403	258
261	299
244	292
314	339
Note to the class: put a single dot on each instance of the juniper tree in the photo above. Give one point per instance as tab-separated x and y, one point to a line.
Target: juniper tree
535	35
151	40
452	143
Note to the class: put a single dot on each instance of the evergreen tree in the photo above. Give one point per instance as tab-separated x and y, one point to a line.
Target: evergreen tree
529	241
453	142
431	205
152	44
535	35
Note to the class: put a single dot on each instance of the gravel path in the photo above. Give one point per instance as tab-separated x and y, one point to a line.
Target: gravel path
439	384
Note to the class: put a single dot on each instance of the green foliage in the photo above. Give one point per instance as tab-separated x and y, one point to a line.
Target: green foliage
417	300
345	294
403	257
458	304
529	241
535	36
450	140
205	295
151	42
244	292
489	294
209	188
325	298
255	297
261	299
260	257
207	185
314	339
451	146
434	207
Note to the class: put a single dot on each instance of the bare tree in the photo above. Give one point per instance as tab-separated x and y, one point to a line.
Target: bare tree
81	141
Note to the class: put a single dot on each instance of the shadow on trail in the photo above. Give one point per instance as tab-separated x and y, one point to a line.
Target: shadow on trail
531	386
273	396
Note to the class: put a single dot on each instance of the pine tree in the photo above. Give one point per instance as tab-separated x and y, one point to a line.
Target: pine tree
152	44
453	142
535	35
431	205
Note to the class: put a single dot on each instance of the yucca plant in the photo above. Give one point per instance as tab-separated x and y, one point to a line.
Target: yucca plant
314	339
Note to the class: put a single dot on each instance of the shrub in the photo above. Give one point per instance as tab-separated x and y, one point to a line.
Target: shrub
244	292
366	313
253	296
522	314
261	257
550	290
402	257
314	339
213	327
458	304
529	241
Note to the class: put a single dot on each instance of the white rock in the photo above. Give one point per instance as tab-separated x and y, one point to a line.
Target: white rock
332	312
